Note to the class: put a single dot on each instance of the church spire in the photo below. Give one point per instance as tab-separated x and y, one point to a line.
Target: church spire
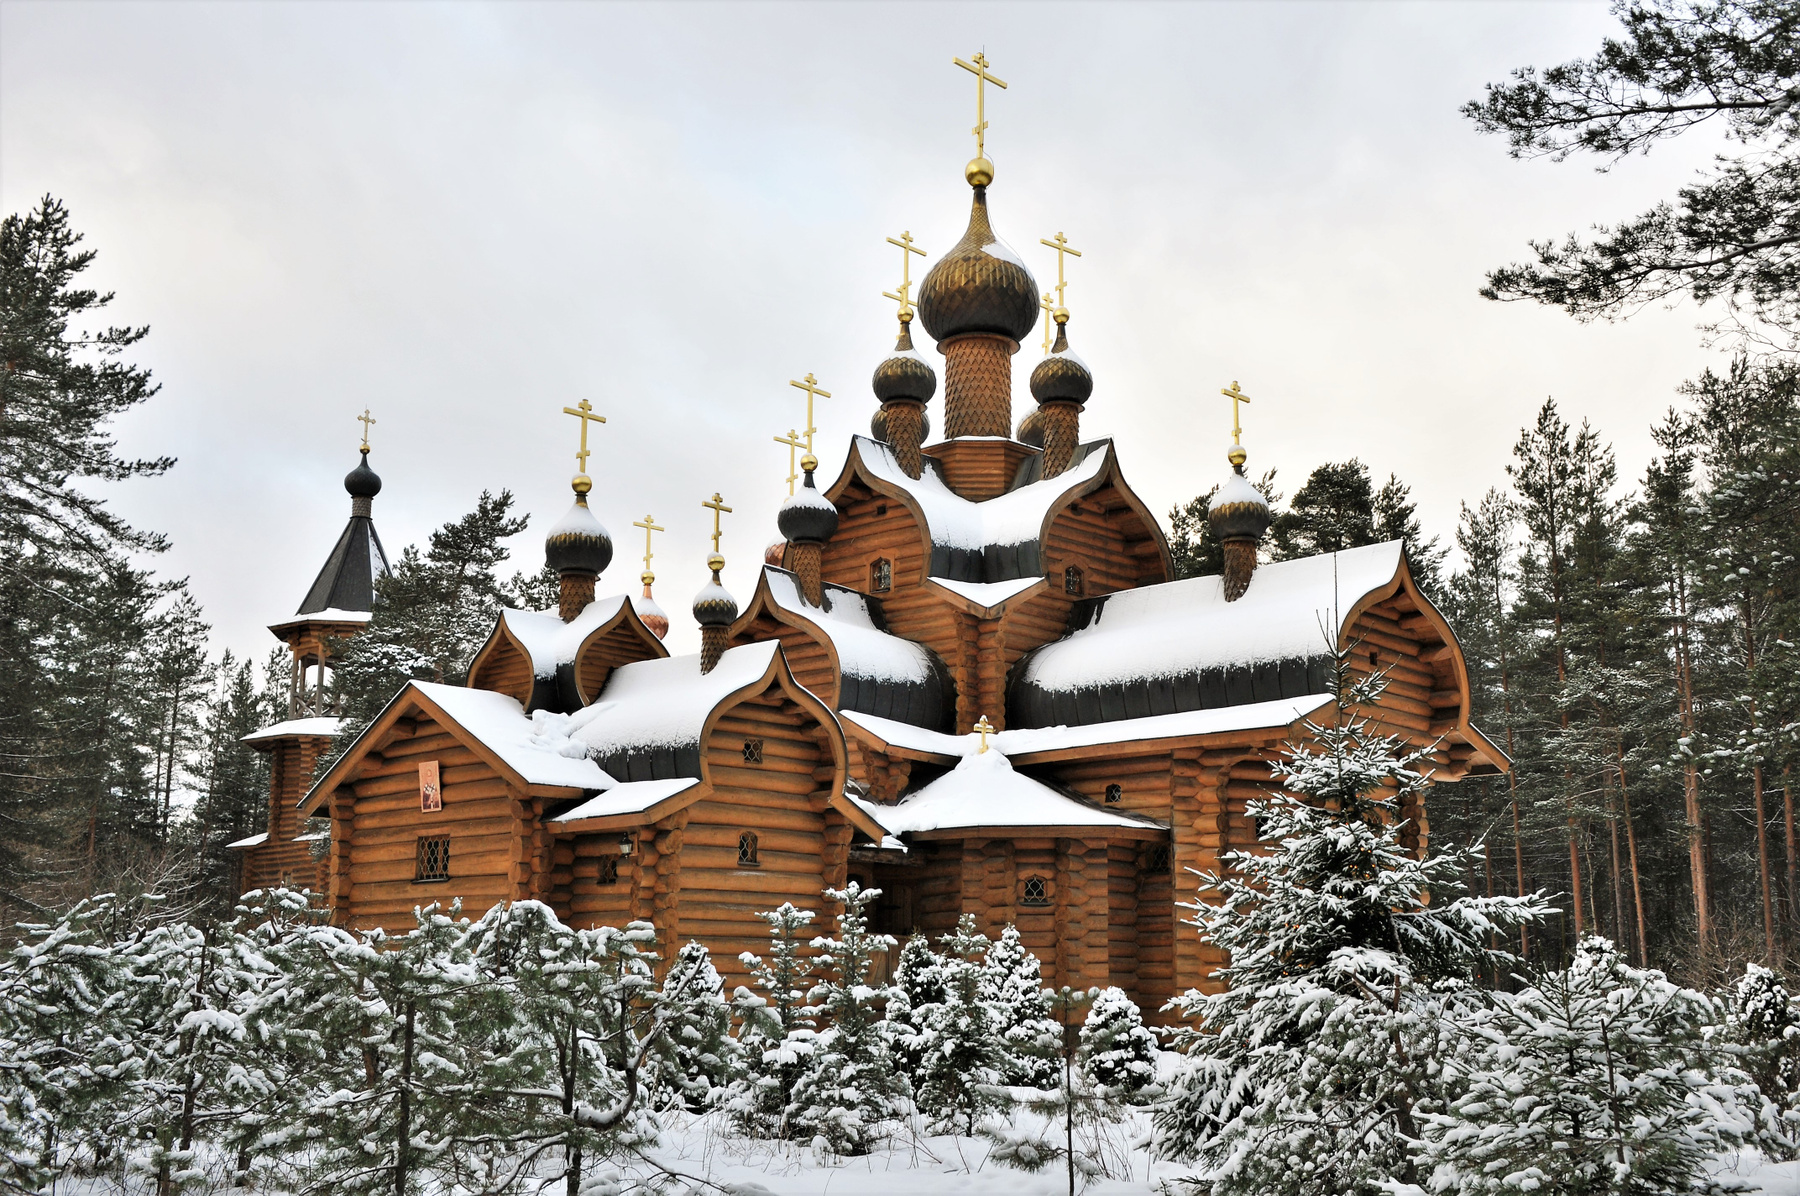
714	607
647	610
1238	514
578	547
347	582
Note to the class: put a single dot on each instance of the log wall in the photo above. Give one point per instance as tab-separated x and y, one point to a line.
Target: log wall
280	860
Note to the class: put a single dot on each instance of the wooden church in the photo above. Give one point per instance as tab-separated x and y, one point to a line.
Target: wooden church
967	676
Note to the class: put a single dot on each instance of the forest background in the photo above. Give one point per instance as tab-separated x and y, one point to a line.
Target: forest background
1630	640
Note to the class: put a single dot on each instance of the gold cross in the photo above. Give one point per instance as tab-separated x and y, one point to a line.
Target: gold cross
1048	308
984	729
649	525
584	411
979	68
366	420
1061	245
1236	396
716	505
811	387
904	298
794	443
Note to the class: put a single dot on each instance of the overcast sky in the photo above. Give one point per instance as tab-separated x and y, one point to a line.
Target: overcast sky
466	216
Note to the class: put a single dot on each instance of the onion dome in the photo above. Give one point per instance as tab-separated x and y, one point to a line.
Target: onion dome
1031	429
652	615
981	285
1238	510
776	552
363	482
713	605
807	514
878	425
578	543
905	375
1061	377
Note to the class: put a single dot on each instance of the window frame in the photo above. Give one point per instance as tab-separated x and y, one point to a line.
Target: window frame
881	575
1041	899
749	850
424	856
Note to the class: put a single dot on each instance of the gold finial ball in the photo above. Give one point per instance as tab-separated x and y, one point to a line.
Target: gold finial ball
1060	315
647	577
808	463
1236	455
906	315
979	172
581	483
715	562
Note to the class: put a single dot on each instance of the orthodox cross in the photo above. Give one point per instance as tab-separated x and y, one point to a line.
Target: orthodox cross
717	506
584	411
904	298
1061	245
1048	307
1236	396
365	419
984	729
979	68
649	525
794	443
811	387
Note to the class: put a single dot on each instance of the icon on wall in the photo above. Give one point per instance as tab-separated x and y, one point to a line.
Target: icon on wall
431	796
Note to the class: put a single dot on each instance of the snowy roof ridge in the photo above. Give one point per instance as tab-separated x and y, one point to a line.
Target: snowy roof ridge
864	648
549	641
984	790
664	703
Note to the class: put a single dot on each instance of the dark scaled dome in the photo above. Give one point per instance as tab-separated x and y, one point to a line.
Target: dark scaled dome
807	514
1238	510
1031	429
363	482
578	543
713	605
981	285
1061	377
905	375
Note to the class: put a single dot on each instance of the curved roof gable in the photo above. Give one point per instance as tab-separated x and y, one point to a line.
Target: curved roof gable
996	540
555	649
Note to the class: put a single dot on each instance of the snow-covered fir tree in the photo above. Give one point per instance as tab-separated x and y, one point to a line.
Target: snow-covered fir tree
1763	1022
699	1059
918	982
1345	947
962	1058
1012	983
849	1089
1596	1078
776	1029
1118	1053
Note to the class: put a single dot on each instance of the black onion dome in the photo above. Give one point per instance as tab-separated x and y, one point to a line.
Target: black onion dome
1238	511
714	606
807	514
981	285
1031	429
1061	377
905	375
363	482
578	543
879	430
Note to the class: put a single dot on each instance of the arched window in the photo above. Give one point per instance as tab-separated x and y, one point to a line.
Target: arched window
881	576
1158	860
1037	892
1114	793
609	870
747	850
1072	581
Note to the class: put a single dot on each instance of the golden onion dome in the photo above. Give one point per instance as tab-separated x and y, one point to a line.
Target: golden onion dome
1061	377
1238	510
577	543
1031	429
905	374
981	285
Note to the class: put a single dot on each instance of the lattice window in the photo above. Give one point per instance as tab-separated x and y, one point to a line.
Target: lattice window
433	859
753	751
609	870
747	850
1114	793
881	576
1037	892
1072	581
1160	860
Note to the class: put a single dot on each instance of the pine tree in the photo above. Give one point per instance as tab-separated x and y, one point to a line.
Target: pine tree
1348	954
1012	983
699	1060
777	1029
233	777
961	1055
918	982
849	1089
1595	1078
1763	1021
1117	1053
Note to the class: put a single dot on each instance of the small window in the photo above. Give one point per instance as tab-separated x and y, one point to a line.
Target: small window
1372	664
1072	581
880	509
433	860
609	870
1037	893
881	576
1159	862
752	751
747	851
1114	793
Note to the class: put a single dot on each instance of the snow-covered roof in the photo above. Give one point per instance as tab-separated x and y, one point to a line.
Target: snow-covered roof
1180	646
983	790
1031	741
630	797
551	642
537	754
991	541
295	726
252	841
987	594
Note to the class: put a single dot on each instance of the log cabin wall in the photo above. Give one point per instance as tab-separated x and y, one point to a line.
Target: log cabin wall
1123	872
1038	923
376	865
782	802
808	659
1082	908
1089	535
979	469
621	644
280	860
591	881
1155	927
505	670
